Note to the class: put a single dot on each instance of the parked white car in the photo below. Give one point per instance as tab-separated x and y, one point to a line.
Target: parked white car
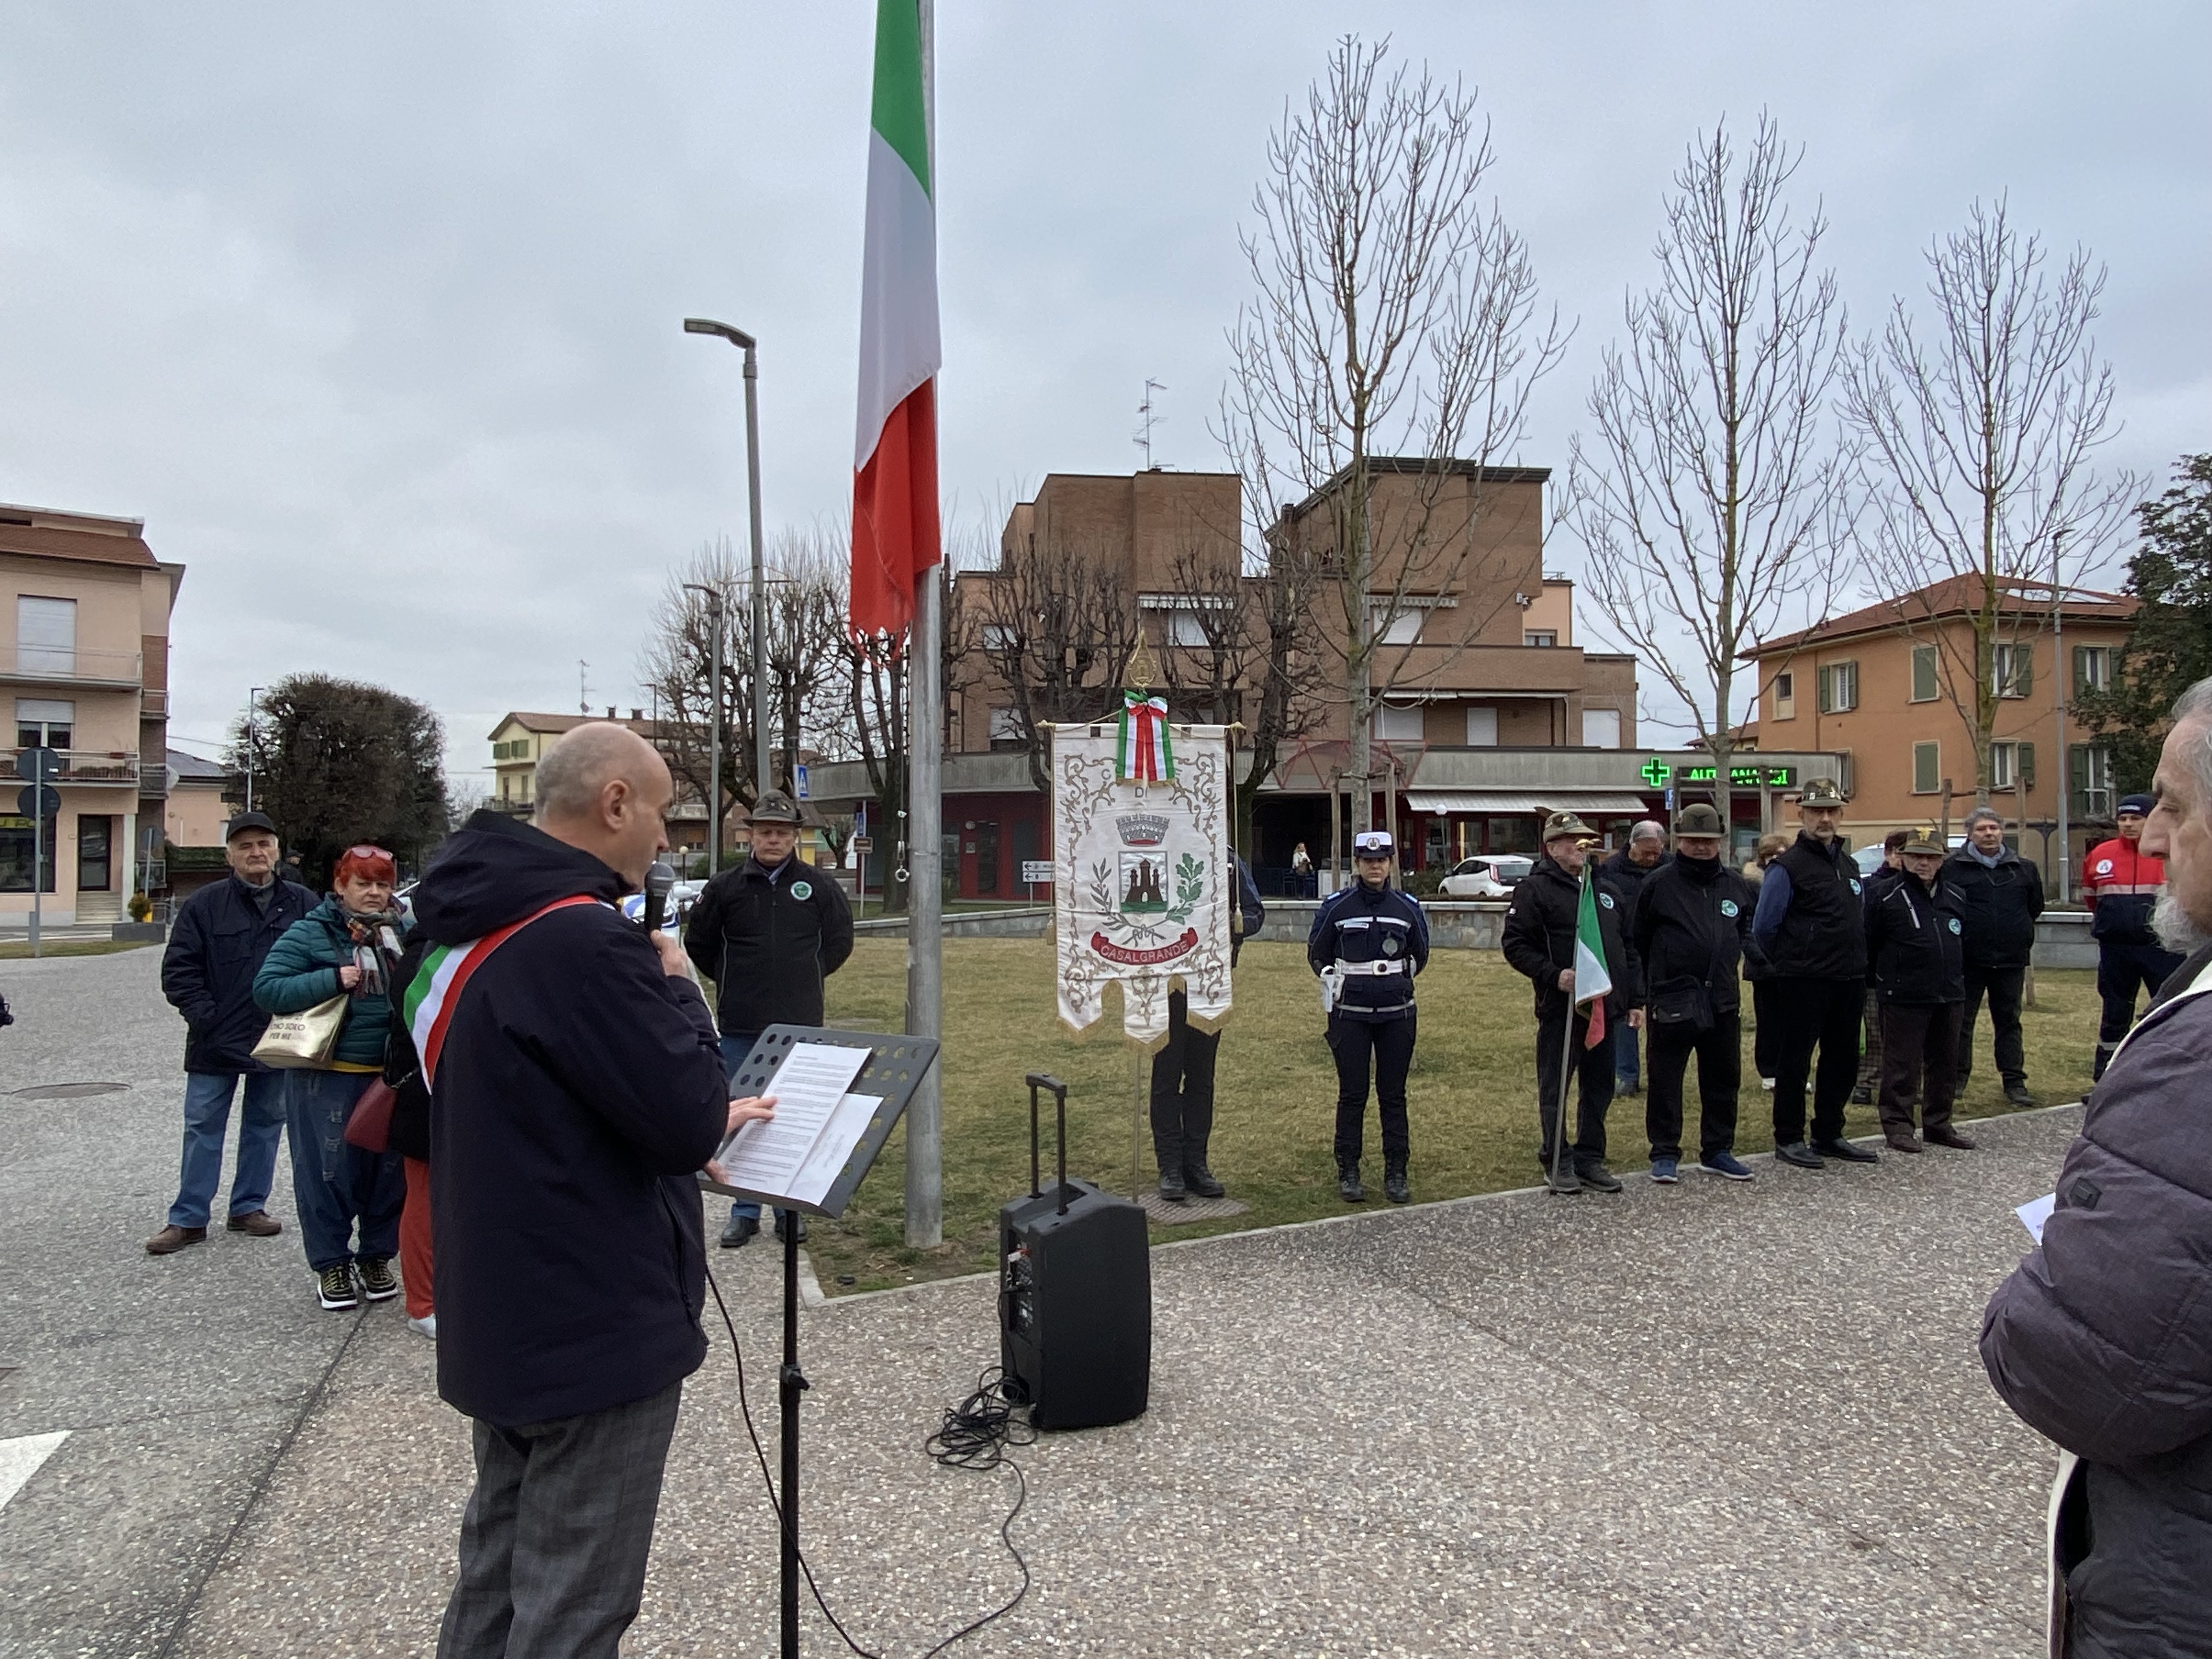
1490	876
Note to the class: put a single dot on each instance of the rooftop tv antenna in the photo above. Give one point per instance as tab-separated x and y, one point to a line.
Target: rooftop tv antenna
1142	439
583	690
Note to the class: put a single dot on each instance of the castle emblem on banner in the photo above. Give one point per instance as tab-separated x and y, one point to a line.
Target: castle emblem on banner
1140	831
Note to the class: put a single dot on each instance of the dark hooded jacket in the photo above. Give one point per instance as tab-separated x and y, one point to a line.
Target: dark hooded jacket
577	1090
1915	941
2102	1338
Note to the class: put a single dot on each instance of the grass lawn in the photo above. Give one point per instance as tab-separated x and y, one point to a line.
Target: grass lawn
1471	1099
13	951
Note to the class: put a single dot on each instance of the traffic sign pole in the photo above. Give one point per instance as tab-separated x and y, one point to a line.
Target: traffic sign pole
40	765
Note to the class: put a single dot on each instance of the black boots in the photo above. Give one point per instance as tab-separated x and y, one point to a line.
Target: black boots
1394	1187
1171	1184
1347	1182
1199	1180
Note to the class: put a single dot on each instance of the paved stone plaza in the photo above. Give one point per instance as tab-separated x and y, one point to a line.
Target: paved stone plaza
1700	1420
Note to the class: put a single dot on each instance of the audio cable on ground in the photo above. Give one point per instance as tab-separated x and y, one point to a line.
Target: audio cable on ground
974	1436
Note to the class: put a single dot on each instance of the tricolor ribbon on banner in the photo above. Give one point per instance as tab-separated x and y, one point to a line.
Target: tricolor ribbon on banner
1145	755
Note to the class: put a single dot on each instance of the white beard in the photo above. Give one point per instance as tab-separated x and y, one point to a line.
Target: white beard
2176	929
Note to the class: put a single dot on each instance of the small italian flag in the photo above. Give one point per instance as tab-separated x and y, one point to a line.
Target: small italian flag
894	525
1593	983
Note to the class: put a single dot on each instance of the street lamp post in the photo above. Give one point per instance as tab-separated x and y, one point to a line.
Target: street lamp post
762	774
2061	773
715	741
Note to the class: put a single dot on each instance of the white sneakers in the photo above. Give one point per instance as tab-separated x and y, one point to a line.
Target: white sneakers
426	1326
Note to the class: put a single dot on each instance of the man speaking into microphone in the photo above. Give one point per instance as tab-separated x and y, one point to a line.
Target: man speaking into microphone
575	1088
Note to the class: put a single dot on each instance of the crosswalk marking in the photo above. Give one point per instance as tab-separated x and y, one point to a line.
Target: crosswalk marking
20	1458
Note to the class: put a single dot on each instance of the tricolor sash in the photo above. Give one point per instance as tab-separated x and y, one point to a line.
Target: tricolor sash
1144	756
435	991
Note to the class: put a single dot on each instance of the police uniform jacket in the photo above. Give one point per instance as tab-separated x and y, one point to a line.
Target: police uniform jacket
1540	938
1379	937
1915	941
1812	919
2122	884
1691	925
2002	903
768	939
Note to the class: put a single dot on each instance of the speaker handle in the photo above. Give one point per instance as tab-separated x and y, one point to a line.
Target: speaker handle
1037	1080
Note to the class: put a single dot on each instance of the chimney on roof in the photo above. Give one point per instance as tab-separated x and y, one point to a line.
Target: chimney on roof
637	713
611	711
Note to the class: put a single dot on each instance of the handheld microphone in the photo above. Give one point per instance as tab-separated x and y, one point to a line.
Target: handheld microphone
658	880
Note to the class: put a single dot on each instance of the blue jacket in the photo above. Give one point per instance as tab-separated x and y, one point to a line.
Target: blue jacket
1359	924
578	1091
301	969
217	944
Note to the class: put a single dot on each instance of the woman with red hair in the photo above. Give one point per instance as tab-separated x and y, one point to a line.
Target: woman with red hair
348	944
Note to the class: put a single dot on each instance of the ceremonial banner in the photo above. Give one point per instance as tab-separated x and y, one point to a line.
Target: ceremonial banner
1143	882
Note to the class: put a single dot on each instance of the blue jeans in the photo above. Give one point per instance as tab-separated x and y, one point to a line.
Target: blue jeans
334	1184
1626	1074
207	1115
736	1045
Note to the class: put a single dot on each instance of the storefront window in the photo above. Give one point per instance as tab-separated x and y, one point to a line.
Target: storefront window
16	845
1510	835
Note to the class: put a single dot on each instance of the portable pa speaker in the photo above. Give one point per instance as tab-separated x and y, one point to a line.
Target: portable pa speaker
1075	1295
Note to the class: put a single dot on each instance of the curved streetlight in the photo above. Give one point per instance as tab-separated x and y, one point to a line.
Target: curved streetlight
763	776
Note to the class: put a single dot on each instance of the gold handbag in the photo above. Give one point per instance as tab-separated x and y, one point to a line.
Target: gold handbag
304	1040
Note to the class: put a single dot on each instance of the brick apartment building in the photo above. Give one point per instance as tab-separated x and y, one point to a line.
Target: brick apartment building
1495	716
1884	686
85	671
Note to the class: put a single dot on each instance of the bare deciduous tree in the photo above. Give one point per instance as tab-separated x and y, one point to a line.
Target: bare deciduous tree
1394	317
1057	625
1711	508
1979	453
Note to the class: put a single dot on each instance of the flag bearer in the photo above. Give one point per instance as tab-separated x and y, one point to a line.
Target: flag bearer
1811	923
1549	929
2122	884
1367	943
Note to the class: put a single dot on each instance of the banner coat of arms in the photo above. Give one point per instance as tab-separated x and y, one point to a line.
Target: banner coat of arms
1143	883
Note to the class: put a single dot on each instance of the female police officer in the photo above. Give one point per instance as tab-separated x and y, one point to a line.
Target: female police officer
1367	943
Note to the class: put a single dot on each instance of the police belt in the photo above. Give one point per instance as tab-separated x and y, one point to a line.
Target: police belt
1378	969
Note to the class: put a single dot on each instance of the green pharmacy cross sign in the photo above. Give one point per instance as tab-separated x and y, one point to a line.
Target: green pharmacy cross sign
1656	773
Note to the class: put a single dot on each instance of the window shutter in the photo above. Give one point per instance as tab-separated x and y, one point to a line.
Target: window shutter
1927	768
1924	673
2026	762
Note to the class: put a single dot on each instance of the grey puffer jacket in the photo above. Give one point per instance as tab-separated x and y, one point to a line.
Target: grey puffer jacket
2102	1338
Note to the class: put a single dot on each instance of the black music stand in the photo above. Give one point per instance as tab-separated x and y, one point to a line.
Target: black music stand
897	1065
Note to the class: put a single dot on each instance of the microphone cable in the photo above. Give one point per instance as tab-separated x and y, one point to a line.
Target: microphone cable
974	1436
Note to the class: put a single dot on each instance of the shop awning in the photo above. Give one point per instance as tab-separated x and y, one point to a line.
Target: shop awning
1506	802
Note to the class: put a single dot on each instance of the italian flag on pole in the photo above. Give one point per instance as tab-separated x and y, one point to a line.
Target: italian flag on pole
1593	982
895	528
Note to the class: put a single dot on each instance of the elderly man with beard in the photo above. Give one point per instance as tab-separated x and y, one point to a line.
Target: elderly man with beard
2102	1337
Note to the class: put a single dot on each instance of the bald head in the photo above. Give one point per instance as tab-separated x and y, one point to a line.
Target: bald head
606	790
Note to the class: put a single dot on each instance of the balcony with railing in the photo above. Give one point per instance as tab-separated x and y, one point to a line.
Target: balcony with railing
62	665
84	767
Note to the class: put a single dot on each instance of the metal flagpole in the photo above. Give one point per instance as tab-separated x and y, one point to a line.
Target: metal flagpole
925	949
763	777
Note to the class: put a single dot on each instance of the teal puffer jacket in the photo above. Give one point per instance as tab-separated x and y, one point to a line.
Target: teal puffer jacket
301	969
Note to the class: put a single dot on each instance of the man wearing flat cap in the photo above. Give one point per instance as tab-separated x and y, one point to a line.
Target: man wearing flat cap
1915	928
1539	942
1367	942
1690	926
767	932
2122	885
1811	923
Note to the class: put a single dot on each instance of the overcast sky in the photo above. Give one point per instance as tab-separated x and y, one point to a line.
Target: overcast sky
373	313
